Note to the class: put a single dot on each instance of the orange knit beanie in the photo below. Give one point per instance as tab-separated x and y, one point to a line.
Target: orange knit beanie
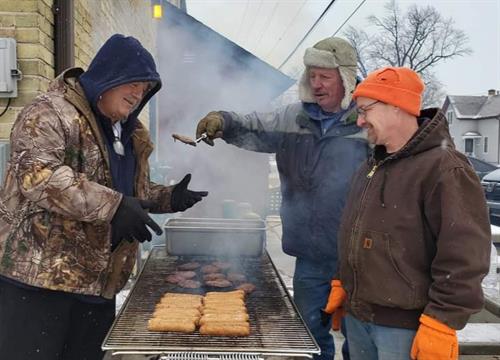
398	86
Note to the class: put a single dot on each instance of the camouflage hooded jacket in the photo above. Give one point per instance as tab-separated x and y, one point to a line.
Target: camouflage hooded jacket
57	200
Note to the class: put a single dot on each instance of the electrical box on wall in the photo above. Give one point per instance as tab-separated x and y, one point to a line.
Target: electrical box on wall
9	73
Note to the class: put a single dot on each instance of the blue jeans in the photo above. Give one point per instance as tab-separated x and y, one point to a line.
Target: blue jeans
368	341
311	287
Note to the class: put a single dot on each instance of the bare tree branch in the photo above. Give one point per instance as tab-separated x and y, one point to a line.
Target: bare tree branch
420	38
434	93
360	41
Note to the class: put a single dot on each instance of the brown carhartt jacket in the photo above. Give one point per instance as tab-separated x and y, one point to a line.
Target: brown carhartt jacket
415	236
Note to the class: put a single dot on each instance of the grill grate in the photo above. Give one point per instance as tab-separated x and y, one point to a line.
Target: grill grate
205	356
275	325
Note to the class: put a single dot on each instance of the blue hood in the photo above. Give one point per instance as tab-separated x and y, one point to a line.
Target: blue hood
121	60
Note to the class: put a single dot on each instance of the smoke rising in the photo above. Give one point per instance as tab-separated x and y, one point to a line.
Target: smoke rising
201	72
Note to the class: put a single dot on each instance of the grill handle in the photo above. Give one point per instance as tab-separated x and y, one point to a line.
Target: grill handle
206	356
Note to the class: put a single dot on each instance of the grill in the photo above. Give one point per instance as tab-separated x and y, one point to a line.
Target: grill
276	327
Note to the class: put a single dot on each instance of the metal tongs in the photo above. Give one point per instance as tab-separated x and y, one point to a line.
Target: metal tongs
203	136
187	140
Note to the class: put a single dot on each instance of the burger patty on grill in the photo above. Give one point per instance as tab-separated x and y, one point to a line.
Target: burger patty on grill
193	265
219	283
189	284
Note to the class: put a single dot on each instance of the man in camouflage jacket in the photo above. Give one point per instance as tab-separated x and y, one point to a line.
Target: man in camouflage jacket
71	207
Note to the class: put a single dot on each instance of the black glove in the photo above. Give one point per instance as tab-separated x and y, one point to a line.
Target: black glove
130	221
182	198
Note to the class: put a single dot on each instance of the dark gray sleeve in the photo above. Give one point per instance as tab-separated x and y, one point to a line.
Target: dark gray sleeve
261	132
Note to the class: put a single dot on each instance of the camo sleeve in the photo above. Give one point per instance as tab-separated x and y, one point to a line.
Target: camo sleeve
38	141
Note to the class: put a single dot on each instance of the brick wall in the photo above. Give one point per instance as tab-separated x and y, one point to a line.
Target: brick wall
31	23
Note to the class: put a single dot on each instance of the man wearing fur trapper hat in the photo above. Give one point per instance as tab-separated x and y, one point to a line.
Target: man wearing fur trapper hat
318	147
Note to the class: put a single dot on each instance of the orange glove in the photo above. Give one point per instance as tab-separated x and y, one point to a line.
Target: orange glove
334	306
434	341
337	318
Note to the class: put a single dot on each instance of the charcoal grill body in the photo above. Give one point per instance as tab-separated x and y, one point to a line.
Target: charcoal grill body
276	328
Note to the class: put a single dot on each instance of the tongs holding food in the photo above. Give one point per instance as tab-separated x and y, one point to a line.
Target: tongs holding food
187	140
203	136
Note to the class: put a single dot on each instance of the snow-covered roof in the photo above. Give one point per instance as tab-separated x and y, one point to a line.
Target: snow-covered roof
471	134
475	107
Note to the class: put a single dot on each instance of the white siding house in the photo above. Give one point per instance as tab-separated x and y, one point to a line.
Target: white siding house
474	123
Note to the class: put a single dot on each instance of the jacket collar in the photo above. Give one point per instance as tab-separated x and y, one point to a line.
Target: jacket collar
432	132
345	127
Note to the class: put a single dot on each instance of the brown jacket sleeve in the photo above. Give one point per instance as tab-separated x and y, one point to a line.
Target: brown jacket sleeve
456	212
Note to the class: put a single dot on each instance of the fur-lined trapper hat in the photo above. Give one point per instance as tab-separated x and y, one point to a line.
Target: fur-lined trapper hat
330	53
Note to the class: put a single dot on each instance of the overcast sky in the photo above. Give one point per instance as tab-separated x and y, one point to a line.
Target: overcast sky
271	30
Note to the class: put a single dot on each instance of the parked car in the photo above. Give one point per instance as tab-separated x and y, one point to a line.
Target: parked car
491	186
481	167
490	180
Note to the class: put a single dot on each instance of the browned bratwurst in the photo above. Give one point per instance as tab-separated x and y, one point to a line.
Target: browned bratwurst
176	325
226	329
184	139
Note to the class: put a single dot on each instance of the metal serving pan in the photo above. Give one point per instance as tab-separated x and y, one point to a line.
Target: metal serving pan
217	237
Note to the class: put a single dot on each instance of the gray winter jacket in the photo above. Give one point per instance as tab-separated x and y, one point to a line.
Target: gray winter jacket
315	171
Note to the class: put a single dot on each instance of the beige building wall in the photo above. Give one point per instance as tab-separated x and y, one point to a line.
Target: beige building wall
31	23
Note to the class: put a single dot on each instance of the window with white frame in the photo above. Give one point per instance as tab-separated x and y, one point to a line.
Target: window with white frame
449	116
485	145
469	146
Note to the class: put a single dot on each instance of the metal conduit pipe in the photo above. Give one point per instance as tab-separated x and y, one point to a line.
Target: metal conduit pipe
64	35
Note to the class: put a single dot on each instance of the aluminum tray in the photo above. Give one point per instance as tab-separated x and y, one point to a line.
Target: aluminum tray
217	237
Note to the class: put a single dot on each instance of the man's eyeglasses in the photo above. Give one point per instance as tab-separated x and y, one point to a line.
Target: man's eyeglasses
362	110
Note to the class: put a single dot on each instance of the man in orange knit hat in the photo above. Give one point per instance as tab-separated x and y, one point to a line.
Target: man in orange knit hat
415	239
